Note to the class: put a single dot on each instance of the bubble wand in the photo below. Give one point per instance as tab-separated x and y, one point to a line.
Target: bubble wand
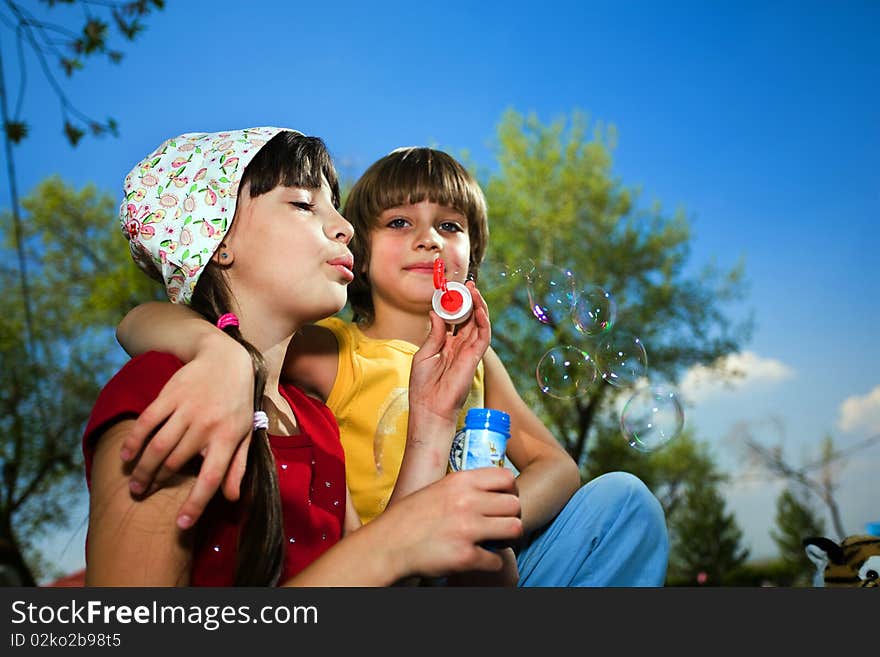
451	301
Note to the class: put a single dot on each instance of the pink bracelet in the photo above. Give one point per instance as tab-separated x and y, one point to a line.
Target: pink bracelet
225	320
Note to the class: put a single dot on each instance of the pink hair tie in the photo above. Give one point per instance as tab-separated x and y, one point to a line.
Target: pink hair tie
225	320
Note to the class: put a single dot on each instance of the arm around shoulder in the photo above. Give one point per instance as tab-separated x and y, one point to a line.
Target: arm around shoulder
167	327
312	360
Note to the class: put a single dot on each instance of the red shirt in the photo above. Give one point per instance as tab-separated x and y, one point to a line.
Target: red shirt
310	465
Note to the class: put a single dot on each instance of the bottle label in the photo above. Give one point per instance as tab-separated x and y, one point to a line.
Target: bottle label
477	448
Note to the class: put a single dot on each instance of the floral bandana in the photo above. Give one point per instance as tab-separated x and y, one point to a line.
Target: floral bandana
180	202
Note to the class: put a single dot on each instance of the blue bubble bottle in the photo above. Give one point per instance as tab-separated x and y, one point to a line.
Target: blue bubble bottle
482	442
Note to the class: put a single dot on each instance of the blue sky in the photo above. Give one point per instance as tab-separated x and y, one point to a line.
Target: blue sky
761	120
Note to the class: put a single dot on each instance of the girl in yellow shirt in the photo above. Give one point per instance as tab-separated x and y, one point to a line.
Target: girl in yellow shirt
409	207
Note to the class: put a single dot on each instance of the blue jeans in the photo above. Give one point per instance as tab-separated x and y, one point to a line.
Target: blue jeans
612	532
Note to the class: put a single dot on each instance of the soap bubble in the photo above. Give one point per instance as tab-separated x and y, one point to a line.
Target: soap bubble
393	415
621	358
565	372
588	342
551	293
512	274
652	417
594	311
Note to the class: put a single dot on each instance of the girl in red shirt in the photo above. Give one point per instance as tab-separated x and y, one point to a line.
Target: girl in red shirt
243	227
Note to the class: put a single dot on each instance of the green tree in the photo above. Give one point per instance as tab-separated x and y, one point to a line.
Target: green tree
554	199
84	283
679	475
670	472
819	478
43	30
706	539
795	520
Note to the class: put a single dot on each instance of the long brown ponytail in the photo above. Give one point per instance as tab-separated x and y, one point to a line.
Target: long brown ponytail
292	160
260	552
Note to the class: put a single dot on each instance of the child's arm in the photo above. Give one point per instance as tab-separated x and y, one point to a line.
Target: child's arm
440	377
352	519
312	360
548	475
207	405
205	408
433	532
133	542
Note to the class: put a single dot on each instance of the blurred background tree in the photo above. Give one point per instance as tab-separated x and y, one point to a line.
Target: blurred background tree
50	37
818	479
83	283
795	520
706	541
68	284
554	200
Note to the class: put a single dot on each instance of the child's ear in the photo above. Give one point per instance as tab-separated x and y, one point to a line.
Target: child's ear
224	255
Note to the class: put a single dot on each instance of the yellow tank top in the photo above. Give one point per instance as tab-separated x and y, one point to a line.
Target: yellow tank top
370	399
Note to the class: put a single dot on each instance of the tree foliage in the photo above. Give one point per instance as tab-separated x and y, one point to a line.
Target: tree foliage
706	539
796	520
52	42
819	478
555	199
84	283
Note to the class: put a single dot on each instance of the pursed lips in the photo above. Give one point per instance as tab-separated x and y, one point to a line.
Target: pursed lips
345	265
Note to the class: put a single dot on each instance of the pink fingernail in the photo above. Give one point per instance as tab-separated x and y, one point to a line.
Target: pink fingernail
136	487
125	454
184	522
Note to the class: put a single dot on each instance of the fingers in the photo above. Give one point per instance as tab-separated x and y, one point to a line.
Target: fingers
477	296
486	560
500	529
495	499
209	480
500	505
488	478
190	445
436	336
148	421
235	473
476	332
156	451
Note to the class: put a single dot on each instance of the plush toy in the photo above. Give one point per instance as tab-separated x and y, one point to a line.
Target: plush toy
855	562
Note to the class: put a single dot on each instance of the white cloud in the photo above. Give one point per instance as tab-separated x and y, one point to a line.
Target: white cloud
733	372
861	413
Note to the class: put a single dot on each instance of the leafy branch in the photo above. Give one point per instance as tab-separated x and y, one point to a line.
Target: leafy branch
49	41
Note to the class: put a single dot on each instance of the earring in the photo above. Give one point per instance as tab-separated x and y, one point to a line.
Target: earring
224	255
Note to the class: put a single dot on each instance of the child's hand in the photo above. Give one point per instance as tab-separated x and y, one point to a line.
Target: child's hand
443	368
443	525
507	576
205	409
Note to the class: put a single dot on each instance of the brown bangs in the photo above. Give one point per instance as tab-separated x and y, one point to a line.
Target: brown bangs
292	160
413	175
